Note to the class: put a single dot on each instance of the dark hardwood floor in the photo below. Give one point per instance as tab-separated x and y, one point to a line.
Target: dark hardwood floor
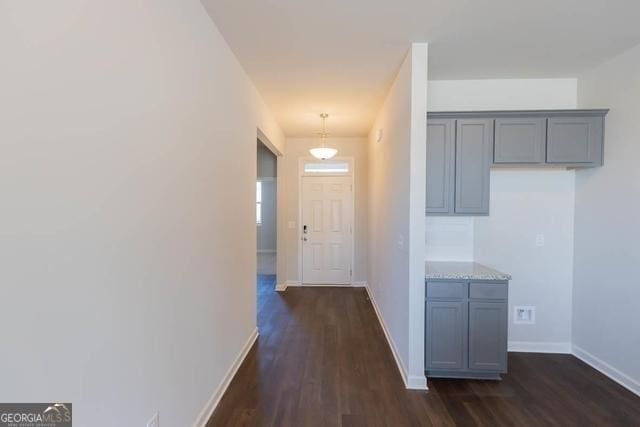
322	360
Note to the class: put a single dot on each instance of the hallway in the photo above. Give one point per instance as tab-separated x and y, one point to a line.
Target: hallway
322	360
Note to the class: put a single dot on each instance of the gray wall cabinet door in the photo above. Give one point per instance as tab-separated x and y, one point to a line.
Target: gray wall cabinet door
440	165
488	336
520	140
474	146
575	140
446	332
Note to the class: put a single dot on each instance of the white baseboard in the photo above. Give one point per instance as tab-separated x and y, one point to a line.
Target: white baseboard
539	347
213	401
417	382
266	251
410	382
326	285
618	376
280	287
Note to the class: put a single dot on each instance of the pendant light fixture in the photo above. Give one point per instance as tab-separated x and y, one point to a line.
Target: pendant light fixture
322	152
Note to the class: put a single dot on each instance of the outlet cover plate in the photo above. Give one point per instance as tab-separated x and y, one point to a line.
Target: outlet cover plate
524	315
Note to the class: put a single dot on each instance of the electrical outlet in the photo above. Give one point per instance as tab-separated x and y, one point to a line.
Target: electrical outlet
154	421
524	314
539	239
292	225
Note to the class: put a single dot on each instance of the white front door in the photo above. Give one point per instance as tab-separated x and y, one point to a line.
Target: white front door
327	237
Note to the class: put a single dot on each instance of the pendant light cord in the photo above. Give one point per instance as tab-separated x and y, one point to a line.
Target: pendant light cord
323	135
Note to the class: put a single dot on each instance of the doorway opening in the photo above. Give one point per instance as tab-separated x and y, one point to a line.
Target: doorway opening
266	223
327	221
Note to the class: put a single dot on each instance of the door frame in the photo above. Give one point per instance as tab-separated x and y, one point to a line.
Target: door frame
302	174
280	210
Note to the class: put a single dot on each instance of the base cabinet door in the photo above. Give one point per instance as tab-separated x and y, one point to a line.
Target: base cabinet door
488	336
446	324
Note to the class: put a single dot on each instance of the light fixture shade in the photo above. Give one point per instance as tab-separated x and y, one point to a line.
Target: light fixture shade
323	153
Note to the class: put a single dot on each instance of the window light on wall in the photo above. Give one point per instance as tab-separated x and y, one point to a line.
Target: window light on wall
258	202
334	167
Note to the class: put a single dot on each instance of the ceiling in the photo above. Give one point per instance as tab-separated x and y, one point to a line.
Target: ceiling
340	56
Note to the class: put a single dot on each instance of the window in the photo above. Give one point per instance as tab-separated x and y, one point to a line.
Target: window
335	167
259	203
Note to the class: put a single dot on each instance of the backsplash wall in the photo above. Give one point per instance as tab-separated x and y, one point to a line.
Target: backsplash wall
449	238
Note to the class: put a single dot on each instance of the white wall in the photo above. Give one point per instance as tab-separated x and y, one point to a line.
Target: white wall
417	205
298	148
607	256
127	177
449	238
502	94
524	202
267	228
396	209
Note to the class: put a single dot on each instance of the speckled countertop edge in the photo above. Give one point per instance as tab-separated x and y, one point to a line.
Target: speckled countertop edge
444	270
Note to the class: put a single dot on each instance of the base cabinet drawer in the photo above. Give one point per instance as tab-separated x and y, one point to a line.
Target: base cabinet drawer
456	290
496	291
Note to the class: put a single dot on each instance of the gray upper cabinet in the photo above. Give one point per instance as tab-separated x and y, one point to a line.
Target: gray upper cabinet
474	143
463	146
519	140
575	140
440	165
458	163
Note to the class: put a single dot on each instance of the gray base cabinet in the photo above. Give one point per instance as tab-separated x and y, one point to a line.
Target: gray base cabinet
466	329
